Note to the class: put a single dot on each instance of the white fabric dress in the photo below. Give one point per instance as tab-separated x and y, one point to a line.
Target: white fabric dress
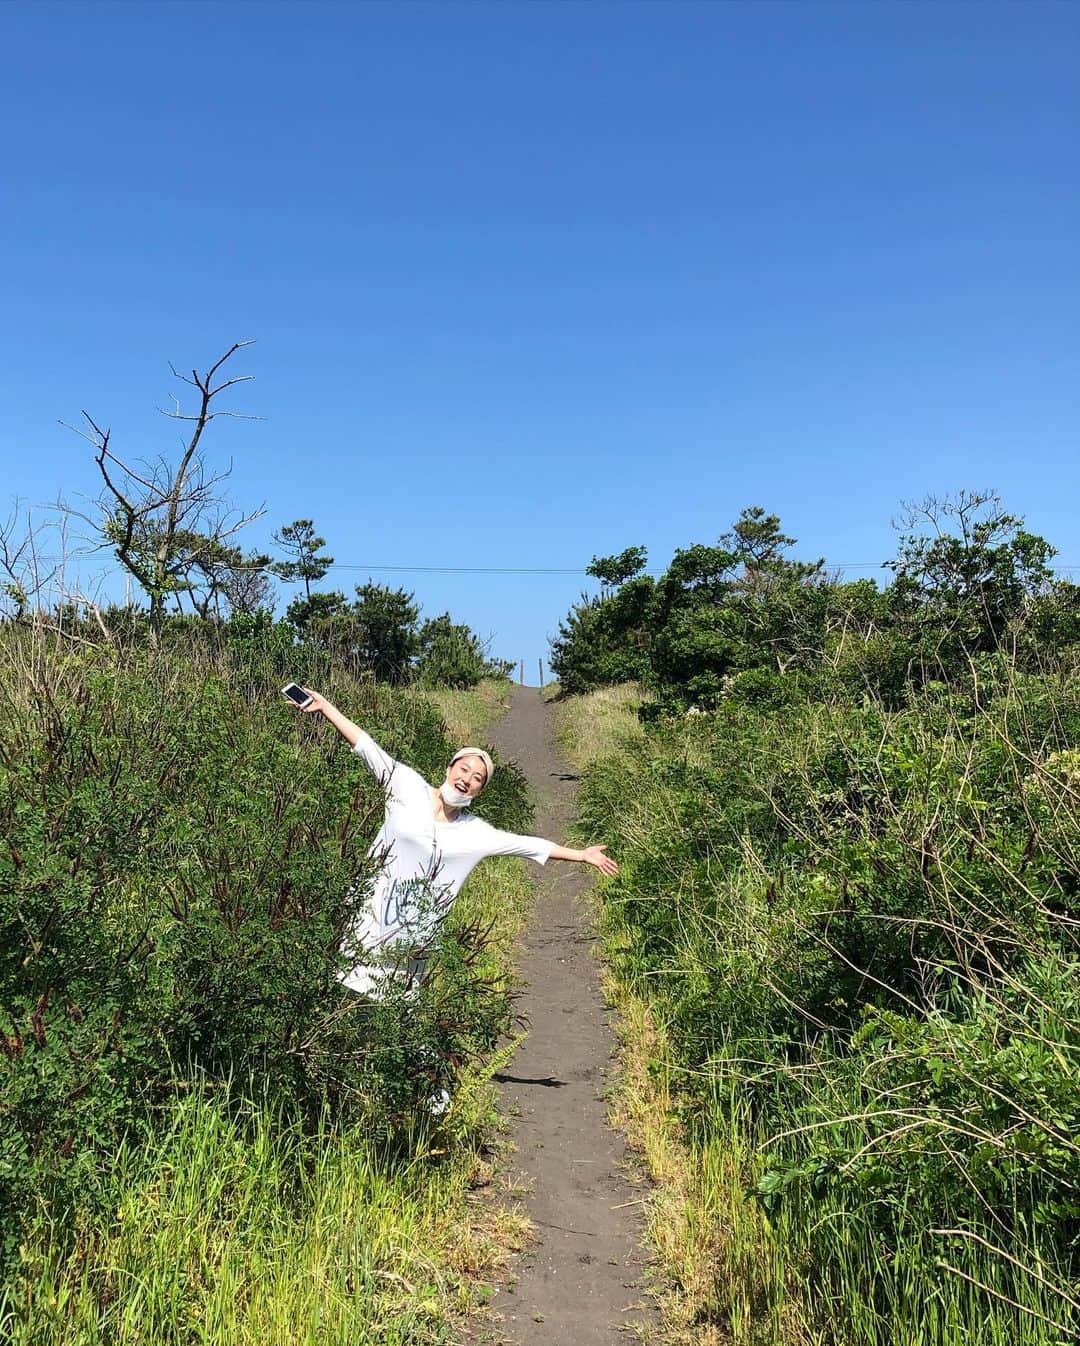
424	864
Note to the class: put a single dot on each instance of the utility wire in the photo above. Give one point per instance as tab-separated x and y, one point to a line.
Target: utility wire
465	570
546	570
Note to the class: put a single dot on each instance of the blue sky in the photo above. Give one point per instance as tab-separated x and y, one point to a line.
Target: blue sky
534	282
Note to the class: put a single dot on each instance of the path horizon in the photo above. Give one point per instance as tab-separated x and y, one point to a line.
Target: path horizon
581	1281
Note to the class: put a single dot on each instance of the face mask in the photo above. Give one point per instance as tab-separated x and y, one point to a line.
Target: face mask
451	798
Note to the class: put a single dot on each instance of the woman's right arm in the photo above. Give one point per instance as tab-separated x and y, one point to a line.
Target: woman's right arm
381	763
319	704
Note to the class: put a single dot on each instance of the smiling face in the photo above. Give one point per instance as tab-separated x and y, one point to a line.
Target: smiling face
467	776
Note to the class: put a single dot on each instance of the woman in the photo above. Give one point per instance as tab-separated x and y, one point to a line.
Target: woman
428	845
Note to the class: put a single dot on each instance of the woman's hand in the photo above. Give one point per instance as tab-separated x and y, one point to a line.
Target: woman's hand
594	855
317	703
591	855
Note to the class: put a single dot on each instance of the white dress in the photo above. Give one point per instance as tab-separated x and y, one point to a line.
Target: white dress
423	865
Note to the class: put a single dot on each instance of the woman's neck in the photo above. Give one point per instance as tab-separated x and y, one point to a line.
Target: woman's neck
442	813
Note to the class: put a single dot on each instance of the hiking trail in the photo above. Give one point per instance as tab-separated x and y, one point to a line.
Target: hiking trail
581	1282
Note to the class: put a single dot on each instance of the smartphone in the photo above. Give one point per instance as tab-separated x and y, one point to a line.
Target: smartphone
296	694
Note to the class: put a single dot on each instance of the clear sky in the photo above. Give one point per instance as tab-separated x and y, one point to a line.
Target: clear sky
534	282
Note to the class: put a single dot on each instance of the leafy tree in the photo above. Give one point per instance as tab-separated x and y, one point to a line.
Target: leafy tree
577	657
450	654
756	539
326	619
727	609
695	652
388	640
962	586
306	613
1054	622
693	642
612	571
780	605
298	539
716	612
604	639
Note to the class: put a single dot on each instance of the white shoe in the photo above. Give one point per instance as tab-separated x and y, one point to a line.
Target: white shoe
438	1103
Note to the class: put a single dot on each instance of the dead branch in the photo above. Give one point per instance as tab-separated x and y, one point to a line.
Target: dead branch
155	517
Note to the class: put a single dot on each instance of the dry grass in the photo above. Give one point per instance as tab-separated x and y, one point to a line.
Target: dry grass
467	712
721	1277
603	722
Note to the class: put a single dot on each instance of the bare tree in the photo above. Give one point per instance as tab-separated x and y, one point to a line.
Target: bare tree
168	522
20	565
37	588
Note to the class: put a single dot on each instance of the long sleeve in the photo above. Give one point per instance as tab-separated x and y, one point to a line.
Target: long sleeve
497	842
380	763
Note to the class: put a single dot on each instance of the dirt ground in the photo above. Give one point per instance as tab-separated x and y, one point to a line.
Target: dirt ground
581	1282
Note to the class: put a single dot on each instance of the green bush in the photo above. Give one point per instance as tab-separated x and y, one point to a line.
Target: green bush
450	655
182	853
856	927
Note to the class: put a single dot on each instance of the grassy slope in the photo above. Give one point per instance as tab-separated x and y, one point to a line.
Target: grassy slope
467	713
729	1277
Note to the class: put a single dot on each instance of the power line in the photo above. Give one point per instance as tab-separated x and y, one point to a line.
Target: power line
548	570
542	570
464	570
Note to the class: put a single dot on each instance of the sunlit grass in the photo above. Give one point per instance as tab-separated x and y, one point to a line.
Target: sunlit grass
721	1275
596	725
468	712
232	1224
232	1229
225	1221
690	937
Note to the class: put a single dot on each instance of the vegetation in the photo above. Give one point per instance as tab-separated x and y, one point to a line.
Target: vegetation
466	711
170	525
607	724
182	854
202	1135
230	1221
743	619
845	928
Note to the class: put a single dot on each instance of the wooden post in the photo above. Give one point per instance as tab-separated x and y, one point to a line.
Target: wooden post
521	674
541	663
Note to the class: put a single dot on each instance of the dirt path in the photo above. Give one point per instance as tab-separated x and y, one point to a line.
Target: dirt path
580	1285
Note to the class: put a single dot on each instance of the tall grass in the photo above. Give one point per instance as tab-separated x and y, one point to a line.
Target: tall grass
250	1230
466	712
602	724
232	1222
855	934
723	1273
166	1192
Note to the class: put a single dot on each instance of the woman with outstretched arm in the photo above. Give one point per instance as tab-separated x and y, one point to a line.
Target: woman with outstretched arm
428	845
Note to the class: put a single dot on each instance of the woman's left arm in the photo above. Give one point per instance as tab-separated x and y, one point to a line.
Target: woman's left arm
591	855
496	842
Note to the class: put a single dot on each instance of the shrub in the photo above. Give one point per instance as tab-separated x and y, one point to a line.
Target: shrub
182	854
857	926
